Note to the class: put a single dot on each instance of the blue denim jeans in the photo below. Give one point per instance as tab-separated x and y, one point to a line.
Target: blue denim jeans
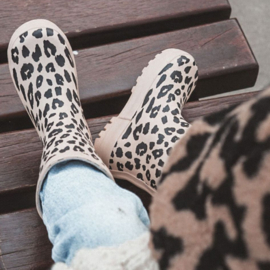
83	208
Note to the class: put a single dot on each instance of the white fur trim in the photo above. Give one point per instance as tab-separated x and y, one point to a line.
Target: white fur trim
131	255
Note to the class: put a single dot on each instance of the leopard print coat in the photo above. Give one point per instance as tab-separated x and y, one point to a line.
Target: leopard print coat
212	207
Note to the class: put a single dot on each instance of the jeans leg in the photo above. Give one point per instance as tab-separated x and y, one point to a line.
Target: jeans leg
83	208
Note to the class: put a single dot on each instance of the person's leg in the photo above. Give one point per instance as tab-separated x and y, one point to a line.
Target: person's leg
83	208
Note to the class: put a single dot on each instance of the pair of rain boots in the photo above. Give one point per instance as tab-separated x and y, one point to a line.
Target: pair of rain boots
135	145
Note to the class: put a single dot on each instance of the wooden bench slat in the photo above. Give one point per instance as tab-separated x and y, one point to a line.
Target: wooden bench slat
95	22
20	151
221	51
24	243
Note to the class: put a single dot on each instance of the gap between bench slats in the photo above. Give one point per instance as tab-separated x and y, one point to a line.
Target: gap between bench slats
95	22
221	51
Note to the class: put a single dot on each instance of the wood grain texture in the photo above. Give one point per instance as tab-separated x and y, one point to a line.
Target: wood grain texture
20	151
95	22
23	237
221	51
24	243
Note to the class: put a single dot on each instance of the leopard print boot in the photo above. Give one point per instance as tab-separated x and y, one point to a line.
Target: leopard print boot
136	144
43	70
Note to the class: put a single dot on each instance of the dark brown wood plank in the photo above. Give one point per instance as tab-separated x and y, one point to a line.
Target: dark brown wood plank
95	22
221	51
24	243
20	151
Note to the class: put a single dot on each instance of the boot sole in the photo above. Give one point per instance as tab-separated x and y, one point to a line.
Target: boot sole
118	125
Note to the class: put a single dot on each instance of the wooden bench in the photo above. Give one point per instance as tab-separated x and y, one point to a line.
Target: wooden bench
115	40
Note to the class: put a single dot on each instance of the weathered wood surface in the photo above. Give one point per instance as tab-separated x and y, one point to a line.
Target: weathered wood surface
20	151
221	51
95	22
24	243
